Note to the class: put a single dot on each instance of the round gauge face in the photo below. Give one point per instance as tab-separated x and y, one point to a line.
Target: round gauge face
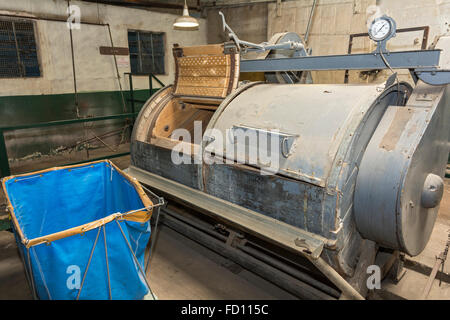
380	29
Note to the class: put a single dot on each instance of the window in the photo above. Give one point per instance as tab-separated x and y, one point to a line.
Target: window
146	52
18	54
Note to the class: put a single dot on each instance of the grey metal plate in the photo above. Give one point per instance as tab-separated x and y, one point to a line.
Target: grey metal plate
291	201
364	61
257	224
409	143
318	116
158	160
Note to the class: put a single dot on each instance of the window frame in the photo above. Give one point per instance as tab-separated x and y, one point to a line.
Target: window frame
140	54
33	23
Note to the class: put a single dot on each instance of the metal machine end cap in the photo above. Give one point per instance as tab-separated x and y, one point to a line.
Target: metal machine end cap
432	192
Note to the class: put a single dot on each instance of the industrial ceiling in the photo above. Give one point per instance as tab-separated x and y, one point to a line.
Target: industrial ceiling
195	5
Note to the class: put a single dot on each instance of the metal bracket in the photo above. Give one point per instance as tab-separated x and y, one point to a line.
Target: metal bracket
433	76
247	46
286	140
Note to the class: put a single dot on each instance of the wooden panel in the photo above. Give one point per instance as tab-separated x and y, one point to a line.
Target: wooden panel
204	61
202	100
205	71
203	106
171	118
215	49
202	91
191	71
201	115
176	116
204	75
217	82
189	148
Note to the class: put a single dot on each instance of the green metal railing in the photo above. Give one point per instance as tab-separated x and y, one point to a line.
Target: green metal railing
150	85
4	163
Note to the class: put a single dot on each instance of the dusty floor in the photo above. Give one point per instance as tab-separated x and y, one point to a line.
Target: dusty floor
415	278
179	269
183	269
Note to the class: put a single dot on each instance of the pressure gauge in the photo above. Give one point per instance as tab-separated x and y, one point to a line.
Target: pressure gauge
382	28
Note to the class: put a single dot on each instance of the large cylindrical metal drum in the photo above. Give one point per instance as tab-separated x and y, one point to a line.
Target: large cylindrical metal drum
324	133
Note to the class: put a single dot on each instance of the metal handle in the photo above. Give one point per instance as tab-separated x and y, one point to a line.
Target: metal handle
285	148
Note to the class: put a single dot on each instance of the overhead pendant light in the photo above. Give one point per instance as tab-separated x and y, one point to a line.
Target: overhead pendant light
185	22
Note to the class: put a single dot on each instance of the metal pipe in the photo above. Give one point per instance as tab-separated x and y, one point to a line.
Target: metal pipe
88	264
440	260
157	80
130	81
73	63
144	4
427	289
150	84
117	69
196	225
291	271
280	279
103	135
336	278
19	62
244	3
33	288
25	264
47	19
135	259
153	239
107	262
309	22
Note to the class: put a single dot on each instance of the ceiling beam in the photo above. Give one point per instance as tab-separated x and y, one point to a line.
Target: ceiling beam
231	3
144	4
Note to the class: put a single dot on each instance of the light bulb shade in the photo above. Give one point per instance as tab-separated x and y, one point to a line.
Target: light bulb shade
186	22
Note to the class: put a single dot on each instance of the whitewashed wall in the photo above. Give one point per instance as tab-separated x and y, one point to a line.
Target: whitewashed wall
94	72
335	20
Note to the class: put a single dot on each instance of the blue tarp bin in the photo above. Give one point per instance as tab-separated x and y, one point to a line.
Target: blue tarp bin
82	231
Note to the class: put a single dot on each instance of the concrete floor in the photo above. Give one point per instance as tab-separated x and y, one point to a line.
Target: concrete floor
183	269
179	269
412	283
13	283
